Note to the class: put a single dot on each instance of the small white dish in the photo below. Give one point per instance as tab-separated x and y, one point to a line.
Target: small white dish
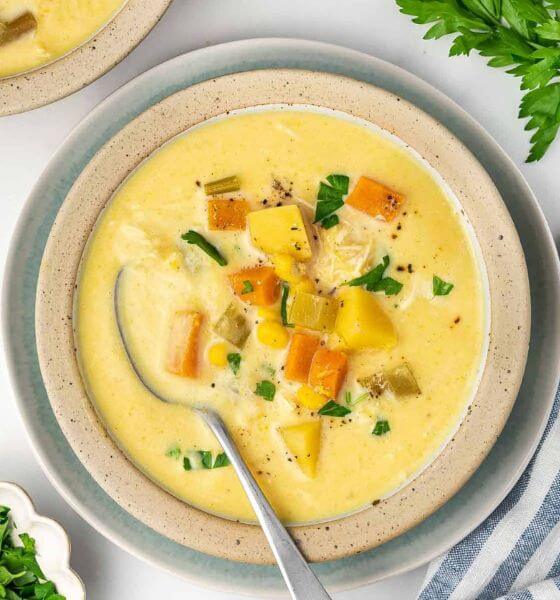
52	542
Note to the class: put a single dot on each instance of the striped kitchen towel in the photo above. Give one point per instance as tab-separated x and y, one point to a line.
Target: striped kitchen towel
515	553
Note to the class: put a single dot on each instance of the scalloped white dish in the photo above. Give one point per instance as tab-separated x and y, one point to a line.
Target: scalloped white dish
52	542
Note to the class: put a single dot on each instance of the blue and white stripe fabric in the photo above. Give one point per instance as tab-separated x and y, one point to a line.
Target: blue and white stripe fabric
515	553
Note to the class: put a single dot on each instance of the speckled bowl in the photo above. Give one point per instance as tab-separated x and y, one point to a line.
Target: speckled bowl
79	67
509	323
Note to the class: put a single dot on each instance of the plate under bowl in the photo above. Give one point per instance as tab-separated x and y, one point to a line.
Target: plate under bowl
485	489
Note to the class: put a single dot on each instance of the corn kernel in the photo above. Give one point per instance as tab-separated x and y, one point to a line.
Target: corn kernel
217	355
268	314
308	397
305	285
286	267
271	333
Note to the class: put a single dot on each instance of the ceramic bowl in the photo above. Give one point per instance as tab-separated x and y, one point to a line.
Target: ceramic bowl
78	68
509	322
52	542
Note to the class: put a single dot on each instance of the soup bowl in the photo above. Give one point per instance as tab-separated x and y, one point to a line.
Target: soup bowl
508	313
80	66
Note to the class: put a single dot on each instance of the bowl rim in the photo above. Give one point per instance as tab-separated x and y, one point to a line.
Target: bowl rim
80	66
509	296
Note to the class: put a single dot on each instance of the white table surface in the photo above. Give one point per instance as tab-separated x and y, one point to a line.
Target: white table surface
28	141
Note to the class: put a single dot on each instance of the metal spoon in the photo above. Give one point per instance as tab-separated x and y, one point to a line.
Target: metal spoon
300	579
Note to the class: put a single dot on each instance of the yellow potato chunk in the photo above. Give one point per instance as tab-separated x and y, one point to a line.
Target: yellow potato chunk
361	322
308	397
304	442
280	230
313	312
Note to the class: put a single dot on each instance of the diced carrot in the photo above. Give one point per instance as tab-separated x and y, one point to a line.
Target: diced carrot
375	199
327	372
227	214
182	352
298	362
257	285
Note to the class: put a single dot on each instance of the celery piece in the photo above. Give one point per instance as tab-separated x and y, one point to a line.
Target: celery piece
233	326
313	312
17	28
222	186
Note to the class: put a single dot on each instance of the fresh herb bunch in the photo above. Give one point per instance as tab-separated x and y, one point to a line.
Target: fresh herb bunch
523	35
20	573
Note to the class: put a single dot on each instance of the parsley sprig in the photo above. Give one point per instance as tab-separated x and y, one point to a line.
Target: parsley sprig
330	199
523	35
375	281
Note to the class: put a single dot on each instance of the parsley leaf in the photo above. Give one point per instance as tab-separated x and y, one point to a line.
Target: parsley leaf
332	409
330	221
187	464
173	452
192	237
247	287
234	361
521	34
375	282
329	199
221	461
381	428
440	287
266	389
205	458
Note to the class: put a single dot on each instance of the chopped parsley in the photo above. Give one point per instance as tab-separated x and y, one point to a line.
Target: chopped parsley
266	389
20	573
330	199
381	427
349	401
234	361
173	452
221	461
187	464
330	221
192	237
332	409
440	287
247	287
206	459
374	281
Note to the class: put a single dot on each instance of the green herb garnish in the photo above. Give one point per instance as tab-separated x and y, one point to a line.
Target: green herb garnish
375	282
339	182
187	464
221	461
192	237
205	458
332	409
523	35
440	287
381	428
284	305
234	361
20	573
247	287
330	221
266	389
329	199
173	452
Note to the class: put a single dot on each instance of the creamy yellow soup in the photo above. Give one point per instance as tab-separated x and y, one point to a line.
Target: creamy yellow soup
280	158
61	26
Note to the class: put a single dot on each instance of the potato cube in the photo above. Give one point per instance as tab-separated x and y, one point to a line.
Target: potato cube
280	230
303	441
361	322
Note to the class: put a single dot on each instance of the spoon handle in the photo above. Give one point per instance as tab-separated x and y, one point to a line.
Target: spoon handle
300	579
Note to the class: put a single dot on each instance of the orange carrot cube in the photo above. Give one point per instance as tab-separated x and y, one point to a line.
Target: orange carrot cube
227	214
327	372
375	199
298	362
182	351
257	285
